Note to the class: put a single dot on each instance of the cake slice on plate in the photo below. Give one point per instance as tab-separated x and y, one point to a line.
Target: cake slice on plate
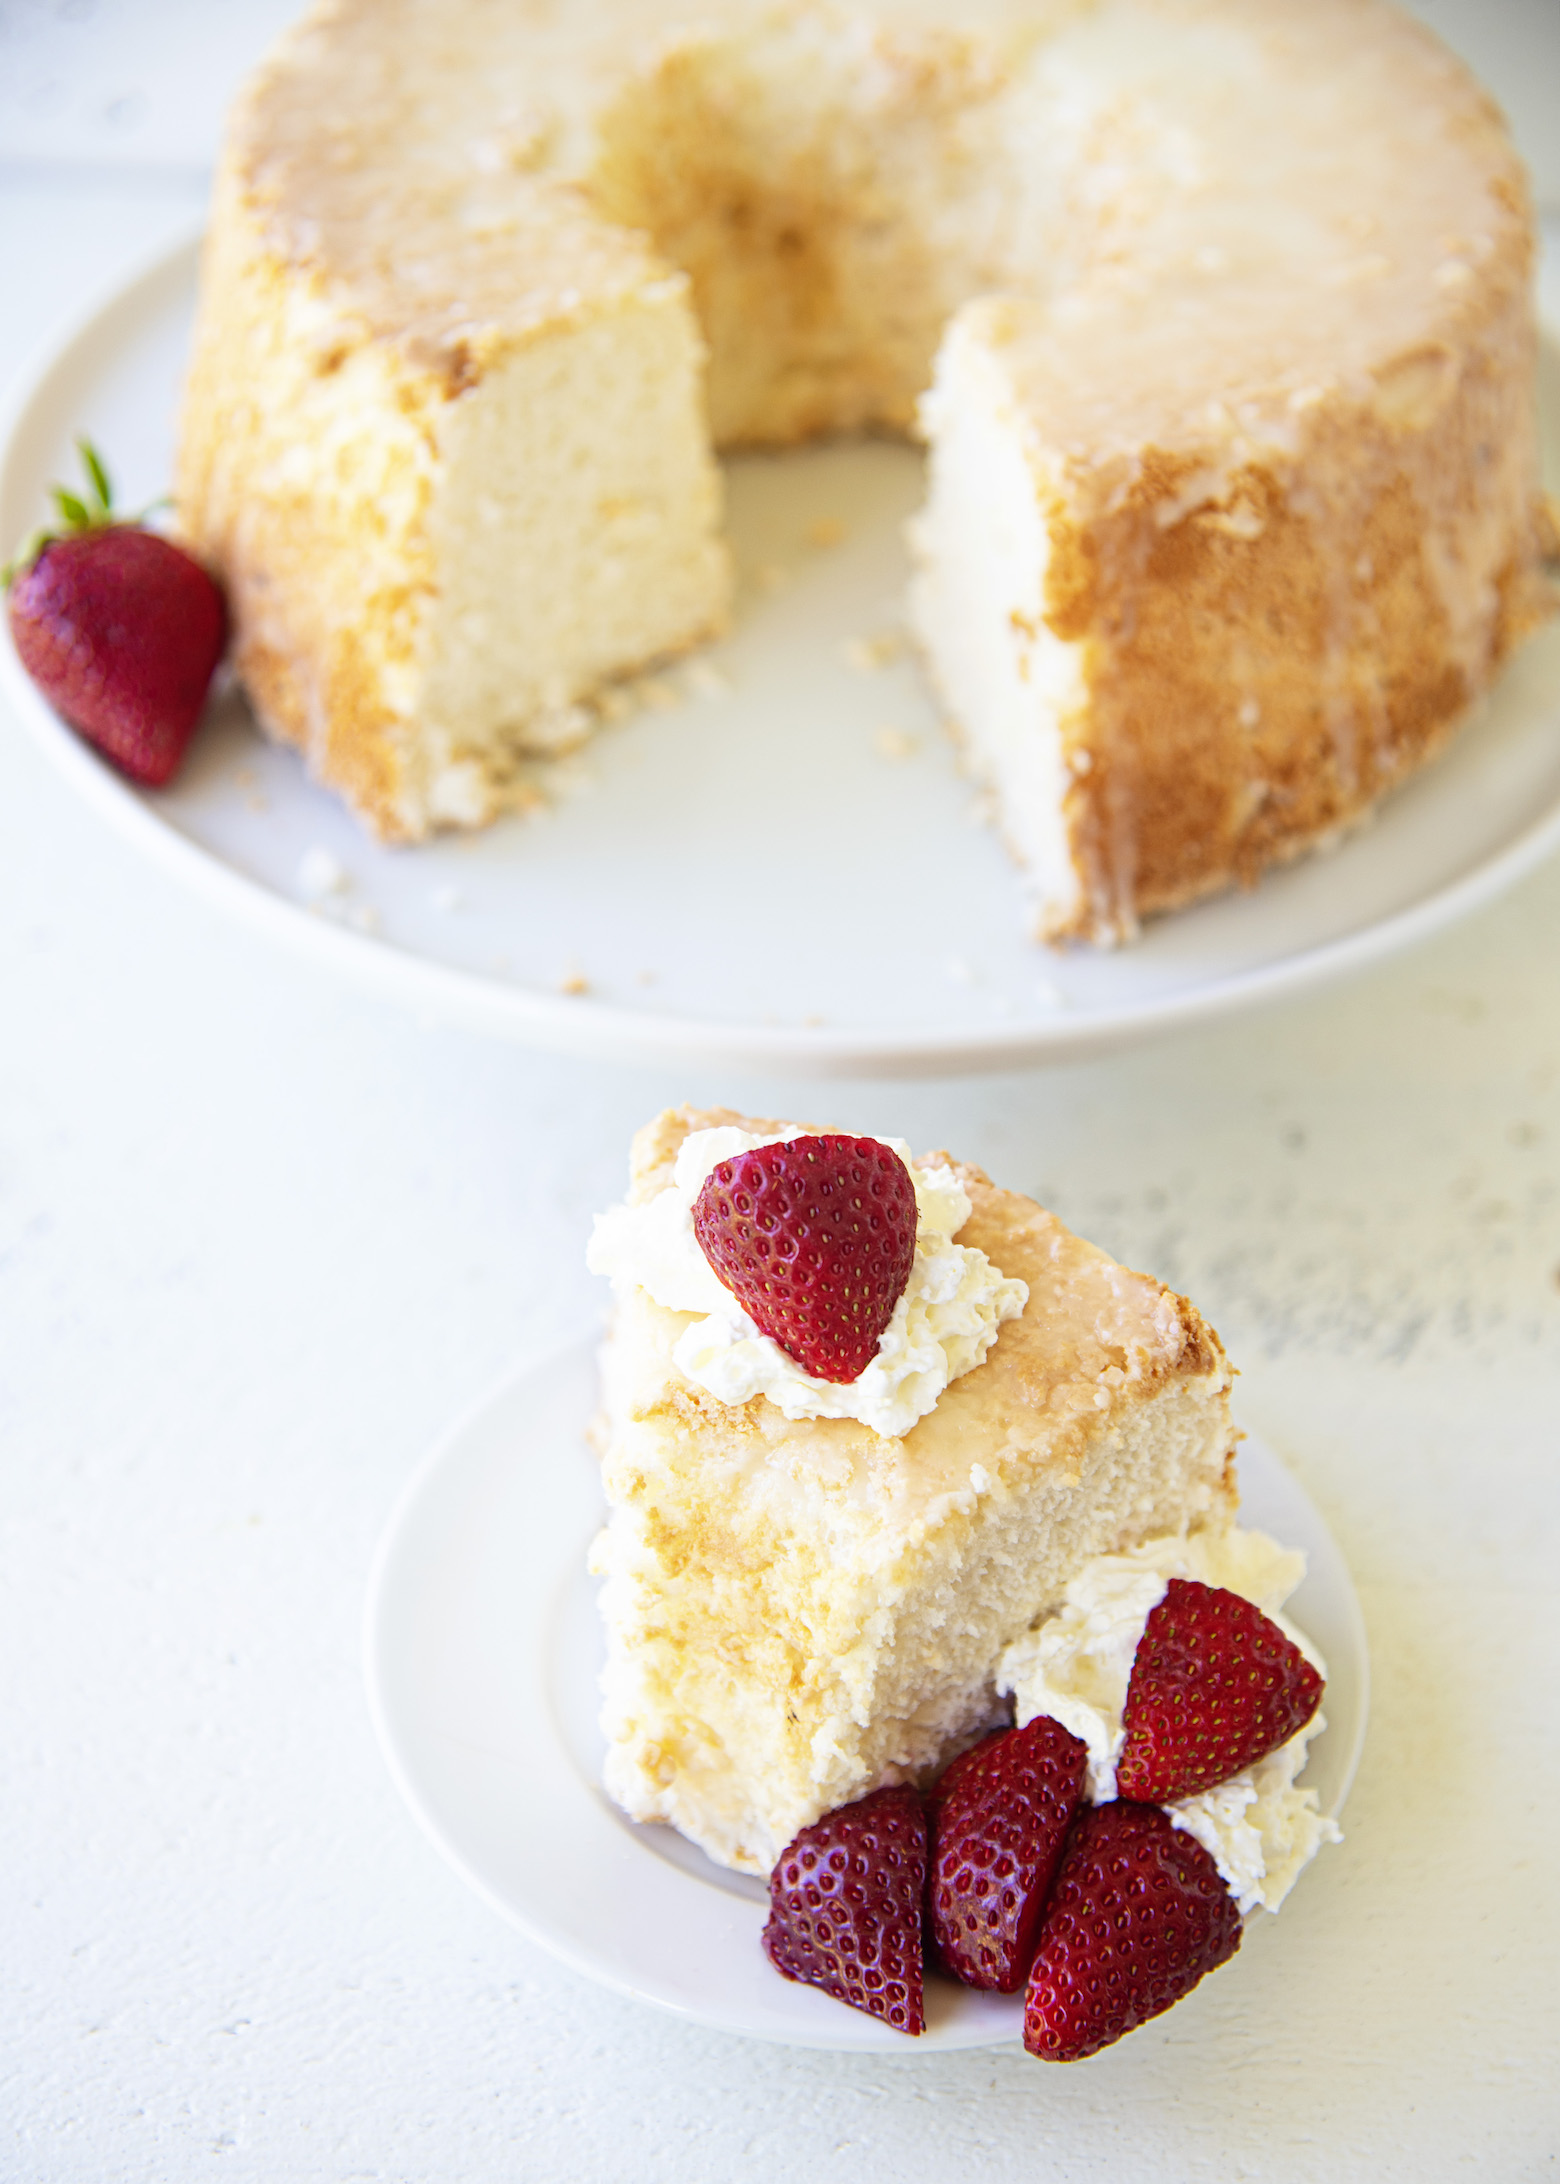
809	1582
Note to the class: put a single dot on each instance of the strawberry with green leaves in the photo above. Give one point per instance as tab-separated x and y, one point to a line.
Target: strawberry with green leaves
119	628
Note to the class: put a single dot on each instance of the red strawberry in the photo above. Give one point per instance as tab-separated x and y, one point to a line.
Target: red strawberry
845	1907
999	1817
814	1239
1137	1916
120	629
1215	1687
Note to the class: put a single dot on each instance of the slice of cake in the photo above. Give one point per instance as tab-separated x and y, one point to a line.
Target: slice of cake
801	1607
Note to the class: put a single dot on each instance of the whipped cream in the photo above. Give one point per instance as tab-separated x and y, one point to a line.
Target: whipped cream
1259	1829
942	1326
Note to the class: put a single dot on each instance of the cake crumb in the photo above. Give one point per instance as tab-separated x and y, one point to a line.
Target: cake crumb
868	655
656	692
616	705
363	918
320	875
573	980
894	743
706	680
647	978
827	531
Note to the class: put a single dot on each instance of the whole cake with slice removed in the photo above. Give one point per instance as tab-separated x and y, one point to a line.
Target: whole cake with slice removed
893	1460
1216	315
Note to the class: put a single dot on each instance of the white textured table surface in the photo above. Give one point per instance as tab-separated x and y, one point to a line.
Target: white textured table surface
260	1239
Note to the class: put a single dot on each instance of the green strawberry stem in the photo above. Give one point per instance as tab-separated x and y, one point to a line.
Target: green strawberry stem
94	513
92	462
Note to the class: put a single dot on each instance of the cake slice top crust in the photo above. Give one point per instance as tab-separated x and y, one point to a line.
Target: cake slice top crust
1093	1340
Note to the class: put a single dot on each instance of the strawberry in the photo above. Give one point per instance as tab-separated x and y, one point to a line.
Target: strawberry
1215	1687
120	629
814	1239
845	1907
1137	1916
999	1817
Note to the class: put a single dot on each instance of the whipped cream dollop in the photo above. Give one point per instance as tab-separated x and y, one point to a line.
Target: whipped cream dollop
942	1326
1259	1828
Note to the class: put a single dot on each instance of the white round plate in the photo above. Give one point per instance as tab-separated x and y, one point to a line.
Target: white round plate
776	863
482	1651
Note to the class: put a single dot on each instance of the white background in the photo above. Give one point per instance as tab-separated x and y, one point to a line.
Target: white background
260	1239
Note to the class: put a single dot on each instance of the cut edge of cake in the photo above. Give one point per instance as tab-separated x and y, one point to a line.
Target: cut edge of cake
1221	645
442	551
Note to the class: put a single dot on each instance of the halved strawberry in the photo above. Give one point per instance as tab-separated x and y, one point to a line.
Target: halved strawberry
845	1907
120	629
815	1240
1215	1687
1138	1915
999	1817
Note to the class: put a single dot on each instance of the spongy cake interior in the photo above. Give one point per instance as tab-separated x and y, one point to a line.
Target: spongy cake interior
604	429
1236	291
798	1611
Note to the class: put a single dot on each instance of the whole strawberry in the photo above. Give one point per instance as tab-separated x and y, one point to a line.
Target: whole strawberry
845	1907
120	629
1215	1687
999	1818
815	1240
1138	1915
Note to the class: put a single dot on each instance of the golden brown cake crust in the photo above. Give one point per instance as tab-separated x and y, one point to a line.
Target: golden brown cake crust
1245	700
1087	1316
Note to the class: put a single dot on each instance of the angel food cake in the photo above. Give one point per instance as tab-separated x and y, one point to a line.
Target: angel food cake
1215	315
803	1606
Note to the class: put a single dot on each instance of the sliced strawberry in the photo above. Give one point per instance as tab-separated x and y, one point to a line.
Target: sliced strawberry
1137	1916
845	1907
120	629
1215	1687
815	1240
999	1817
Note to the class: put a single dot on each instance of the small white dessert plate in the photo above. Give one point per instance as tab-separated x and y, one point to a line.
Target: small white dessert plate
482	1652
775	864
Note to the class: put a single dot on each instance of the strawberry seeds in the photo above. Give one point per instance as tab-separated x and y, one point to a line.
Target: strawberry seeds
815	1239
1108	1914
